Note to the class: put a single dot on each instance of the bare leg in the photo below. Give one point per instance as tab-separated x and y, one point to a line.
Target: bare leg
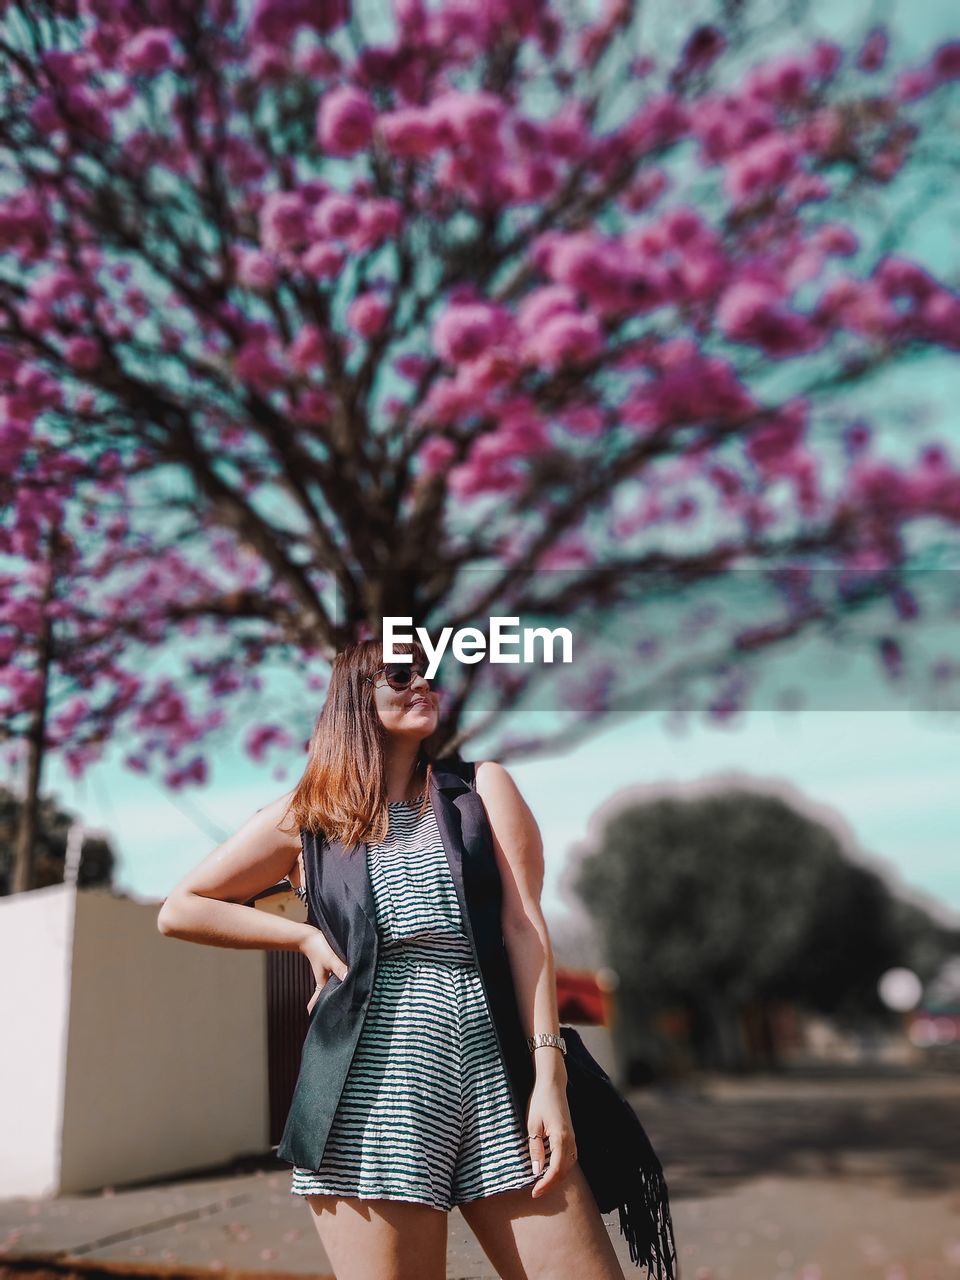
558	1235
381	1239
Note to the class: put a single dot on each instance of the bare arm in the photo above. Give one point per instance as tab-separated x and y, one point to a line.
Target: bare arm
518	847
519	851
208	904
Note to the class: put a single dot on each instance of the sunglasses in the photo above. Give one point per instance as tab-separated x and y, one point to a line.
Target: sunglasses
399	675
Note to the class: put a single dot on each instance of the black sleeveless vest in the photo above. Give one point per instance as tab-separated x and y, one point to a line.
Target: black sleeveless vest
340	903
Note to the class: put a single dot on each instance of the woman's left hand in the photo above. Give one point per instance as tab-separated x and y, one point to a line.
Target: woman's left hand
548	1117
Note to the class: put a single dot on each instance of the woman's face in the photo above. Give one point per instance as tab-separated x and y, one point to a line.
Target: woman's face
412	712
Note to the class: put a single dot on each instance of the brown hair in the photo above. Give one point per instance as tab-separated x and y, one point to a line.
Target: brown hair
342	791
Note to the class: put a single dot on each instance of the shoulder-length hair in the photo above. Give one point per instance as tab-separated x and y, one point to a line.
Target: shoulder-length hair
342	791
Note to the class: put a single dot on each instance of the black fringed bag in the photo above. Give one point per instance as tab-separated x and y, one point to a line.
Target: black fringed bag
618	1160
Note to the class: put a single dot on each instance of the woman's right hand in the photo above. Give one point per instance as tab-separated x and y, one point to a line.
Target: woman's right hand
324	961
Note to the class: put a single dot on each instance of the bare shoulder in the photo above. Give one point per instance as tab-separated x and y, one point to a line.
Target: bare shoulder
495	781
277	811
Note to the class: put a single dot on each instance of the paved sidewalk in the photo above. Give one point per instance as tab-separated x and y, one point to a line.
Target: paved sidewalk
771	1179
768	1229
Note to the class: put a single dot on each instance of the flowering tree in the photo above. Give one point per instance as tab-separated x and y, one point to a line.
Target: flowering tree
301	322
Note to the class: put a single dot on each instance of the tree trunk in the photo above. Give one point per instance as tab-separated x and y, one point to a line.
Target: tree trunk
24	858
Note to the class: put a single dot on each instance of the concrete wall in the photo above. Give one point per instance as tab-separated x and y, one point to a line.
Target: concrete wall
129	1055
36	931
167	1053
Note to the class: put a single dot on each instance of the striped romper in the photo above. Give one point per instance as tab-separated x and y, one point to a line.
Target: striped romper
425	1114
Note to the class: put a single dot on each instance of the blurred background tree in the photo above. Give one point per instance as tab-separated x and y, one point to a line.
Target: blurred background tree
97	860
722	902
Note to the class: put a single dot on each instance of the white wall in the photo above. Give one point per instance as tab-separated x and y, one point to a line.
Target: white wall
36	931
126	1054
167	1053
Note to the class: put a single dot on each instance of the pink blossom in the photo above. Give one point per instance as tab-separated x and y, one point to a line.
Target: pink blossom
940	319
531	178
25	222
565	337
411	366
704	45
825	59
501	364
577	258
771	447
914	83
409	131
540	304
692	388
277	21
336	216
858	305
595	267
256	269
345	119
750	312
646	189
836	238
54	285
318	61
945	63
661	120
378	220
308	349
725	124
82	353
465	331
494	465
149	52
254	364
261	737
887	164
803	188
566	135
766	163
784	81
822	132
284	222
436	453
269	62
411	16
899	277
473	118
873	51
195	770
700	275
804	266
367	314
311	405
323	261
447	400
67	66
583	420
572	552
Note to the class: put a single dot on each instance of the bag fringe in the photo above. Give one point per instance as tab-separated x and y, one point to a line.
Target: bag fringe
646	1225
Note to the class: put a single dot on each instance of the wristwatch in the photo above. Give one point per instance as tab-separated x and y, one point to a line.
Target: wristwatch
544	1037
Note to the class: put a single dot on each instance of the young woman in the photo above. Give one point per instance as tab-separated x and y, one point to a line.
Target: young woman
407	1100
